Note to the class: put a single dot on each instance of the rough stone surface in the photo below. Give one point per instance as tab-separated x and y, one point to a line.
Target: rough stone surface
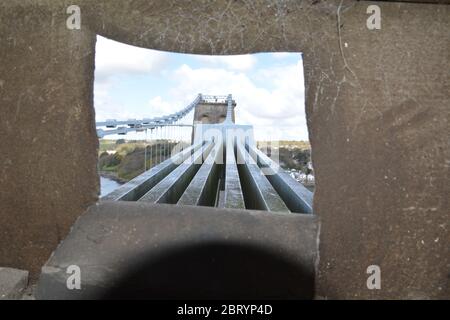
377	109
114	238
48	150
28	293
13	283
211	113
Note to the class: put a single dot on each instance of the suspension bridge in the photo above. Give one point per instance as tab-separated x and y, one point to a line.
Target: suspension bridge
218	218
122	127
221	168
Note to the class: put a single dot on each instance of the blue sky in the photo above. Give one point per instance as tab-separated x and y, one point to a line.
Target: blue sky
132	82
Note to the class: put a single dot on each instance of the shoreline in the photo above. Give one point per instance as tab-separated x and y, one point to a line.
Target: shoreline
112	176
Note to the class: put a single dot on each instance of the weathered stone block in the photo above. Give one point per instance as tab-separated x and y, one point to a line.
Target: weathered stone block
142	250
13	283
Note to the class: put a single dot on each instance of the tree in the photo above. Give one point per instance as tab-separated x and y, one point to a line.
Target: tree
120	141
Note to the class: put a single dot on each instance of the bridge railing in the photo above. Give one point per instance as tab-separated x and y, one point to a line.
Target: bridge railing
213	98
132	125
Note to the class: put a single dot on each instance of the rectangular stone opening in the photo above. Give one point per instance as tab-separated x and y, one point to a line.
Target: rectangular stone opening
151	105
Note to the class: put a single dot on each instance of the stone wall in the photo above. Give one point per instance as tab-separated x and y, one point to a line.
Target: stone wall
377	109
48	146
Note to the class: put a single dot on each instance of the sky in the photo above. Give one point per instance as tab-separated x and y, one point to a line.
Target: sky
135	83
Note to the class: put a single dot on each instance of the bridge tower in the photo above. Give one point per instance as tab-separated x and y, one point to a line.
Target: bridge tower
212	110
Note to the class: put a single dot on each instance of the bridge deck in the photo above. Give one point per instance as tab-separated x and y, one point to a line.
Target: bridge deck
136	188
202	190
170	189
247	179
234	197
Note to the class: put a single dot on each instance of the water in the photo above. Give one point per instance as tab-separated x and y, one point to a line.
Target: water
107	186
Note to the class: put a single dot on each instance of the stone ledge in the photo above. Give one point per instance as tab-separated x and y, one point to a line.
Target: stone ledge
168	251
13	283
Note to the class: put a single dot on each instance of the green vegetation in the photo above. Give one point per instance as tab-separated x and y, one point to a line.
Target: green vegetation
287	144
124	160
292	154
106	145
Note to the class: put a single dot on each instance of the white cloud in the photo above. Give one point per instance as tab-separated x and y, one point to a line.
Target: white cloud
115	58
159	107
277	105
270	98
243	62
108	108
281	55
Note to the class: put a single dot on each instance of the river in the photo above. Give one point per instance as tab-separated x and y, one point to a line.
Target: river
107	186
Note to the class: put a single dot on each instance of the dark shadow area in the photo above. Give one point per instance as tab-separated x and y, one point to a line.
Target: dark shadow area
215	271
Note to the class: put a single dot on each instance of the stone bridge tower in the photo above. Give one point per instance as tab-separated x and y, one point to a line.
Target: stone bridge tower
212	109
